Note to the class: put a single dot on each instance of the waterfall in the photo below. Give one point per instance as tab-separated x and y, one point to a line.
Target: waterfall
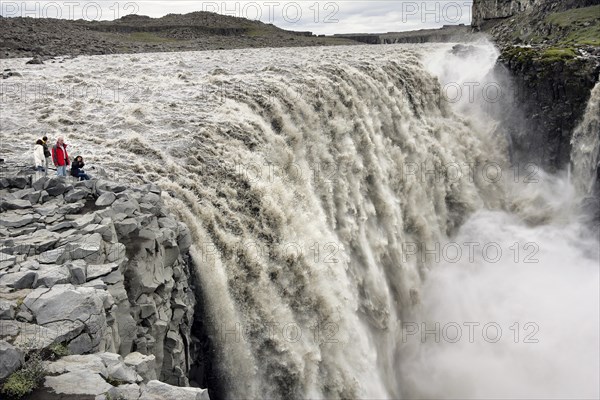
586	146
306	230
315	183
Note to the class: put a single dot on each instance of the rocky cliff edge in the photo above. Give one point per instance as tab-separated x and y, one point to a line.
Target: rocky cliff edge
100	271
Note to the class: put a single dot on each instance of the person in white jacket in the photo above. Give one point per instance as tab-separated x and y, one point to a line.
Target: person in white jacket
40	160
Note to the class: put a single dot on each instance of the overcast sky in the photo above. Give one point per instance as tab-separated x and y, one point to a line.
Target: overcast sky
320	17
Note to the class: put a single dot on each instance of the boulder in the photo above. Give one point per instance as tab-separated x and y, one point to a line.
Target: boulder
106	199
52	256
78	383
47	210
110	359
19	182
88	248
96	271
123	373
71	208
82	344
14	204
33	336
36	243
89	362
66	303
107	231
84	221
44	197
39	184
148	208
7	309
20	194
19	280
152	198
55	187
60	226
125	206
11	359
78	270
13	220
156	390
50	276
25	230
76	195
34	197
124	392
115	187
115	252
126	226
144	365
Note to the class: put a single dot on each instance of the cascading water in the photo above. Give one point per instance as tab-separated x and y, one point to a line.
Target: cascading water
586	146
512	310
313	187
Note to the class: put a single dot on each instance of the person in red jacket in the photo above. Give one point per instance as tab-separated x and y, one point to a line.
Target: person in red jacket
60	157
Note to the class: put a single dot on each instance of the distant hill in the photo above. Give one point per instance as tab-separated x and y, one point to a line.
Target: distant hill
447	33
28	37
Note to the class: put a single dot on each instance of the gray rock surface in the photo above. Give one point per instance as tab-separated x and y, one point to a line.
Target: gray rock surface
144	365
106	199
156	390
107	376
10	359
112	284
78	382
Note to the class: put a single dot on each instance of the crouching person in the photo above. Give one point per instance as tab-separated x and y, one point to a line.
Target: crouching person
77	169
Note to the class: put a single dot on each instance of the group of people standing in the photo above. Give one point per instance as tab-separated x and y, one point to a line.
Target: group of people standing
60	158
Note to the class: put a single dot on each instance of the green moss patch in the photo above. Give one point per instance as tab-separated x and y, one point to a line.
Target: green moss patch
524	55
558	54
575	16
579	26
25	380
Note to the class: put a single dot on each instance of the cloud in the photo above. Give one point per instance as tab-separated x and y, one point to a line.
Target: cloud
321	17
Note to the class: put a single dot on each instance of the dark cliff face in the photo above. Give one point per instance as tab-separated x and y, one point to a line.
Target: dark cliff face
550	62
485	10
547	99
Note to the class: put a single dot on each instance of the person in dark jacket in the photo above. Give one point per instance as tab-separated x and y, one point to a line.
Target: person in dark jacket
47	153
60	157
77	171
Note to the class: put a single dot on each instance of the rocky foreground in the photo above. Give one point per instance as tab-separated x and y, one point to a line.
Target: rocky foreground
100	271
